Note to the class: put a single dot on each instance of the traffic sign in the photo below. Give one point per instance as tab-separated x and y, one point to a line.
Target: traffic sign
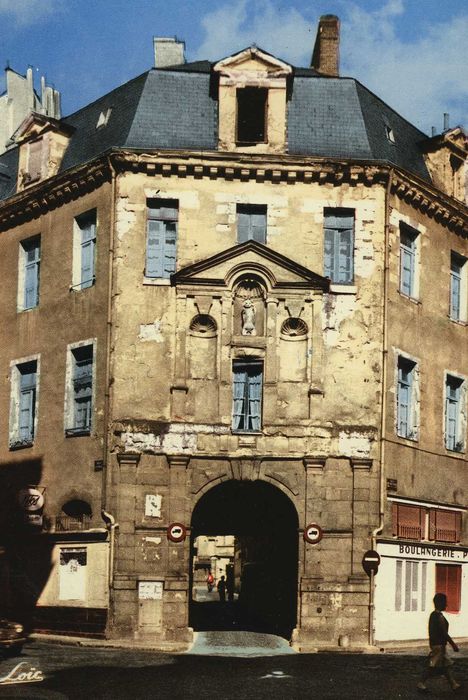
371	561
313	533
176	532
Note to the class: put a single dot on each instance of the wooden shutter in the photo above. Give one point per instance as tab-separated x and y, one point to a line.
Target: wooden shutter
448	581
447	525
432	524
395	519
410	522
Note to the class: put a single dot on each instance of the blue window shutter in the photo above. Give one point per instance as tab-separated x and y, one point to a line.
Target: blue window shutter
26	414
255	400
344	246
243	227
455	287
338	246
87	264
82	387
88	243
155	248
31	273
258	227
405	380
238	398
406	270
329	247
27	402
170	246
452	402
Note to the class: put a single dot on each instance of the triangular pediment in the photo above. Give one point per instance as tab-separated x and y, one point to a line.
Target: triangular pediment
254	60
222	269
35	125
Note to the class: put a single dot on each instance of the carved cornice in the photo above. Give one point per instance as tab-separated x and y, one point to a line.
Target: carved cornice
51	193
276	168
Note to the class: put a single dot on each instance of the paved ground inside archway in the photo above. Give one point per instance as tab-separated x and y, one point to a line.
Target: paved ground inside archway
239	643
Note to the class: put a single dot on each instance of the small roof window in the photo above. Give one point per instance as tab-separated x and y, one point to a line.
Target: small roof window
389	133
104	118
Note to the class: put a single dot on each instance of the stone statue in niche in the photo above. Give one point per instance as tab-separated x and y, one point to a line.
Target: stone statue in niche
248	318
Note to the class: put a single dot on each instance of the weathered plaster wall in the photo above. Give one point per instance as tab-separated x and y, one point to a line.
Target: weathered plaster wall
61	318
422	329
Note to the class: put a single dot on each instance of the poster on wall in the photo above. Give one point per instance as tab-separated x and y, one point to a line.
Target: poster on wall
72	573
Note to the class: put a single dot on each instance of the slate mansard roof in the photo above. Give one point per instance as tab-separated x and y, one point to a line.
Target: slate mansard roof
177	108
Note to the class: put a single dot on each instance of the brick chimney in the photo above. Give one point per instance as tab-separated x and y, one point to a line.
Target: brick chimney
326	54
168	51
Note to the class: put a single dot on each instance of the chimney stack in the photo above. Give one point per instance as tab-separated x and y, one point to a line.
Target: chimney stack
446	121
326	54
168	51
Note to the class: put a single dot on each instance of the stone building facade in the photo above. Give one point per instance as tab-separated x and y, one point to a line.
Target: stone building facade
237	306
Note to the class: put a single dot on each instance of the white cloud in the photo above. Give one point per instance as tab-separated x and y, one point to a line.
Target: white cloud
421	79
232	27
26	12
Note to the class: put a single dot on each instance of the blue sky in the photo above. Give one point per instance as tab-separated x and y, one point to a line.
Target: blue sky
412	53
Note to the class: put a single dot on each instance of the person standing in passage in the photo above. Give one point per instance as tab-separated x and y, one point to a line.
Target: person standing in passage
438	661
210	582
222	589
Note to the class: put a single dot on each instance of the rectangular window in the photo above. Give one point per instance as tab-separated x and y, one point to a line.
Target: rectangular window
252	105
444	525
448	581
82	390
85	247
410	586
458	270
251	223
408	260
29	273
24	396
339	245
408	522
406	398
161	240
247	396
453	413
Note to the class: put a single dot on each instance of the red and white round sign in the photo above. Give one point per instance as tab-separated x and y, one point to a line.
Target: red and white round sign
313	533
176	532
30	499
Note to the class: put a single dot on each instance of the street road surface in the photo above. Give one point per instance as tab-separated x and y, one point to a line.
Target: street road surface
98	673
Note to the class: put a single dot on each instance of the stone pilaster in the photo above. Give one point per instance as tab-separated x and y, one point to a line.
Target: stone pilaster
361	515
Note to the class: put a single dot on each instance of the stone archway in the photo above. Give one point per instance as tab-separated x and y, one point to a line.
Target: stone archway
263	524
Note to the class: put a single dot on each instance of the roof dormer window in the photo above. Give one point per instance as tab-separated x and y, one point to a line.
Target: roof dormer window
252	106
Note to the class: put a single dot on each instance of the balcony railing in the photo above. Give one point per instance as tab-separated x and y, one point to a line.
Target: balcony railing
410	532
67	523
443	535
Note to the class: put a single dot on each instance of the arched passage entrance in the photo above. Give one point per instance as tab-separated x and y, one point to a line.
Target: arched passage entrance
261	523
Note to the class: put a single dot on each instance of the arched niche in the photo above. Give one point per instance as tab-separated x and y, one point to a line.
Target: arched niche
202	346
249	294
293	350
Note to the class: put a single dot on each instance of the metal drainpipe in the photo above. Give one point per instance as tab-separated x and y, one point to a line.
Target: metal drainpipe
383	412
109	519
106	473
111	526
